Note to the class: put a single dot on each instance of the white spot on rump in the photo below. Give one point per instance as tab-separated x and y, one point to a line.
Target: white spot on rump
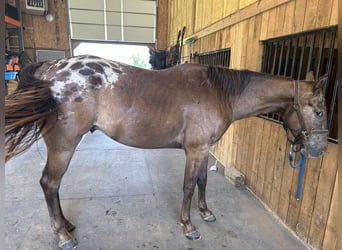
112	76
108	78
57	87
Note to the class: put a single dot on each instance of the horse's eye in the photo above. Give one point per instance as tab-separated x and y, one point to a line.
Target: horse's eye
319	113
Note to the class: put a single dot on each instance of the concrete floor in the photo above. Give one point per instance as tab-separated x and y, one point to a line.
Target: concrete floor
126	198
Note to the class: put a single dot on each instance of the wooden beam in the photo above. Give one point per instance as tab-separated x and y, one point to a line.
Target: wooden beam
242	14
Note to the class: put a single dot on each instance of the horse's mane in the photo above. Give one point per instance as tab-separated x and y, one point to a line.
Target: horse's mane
230	82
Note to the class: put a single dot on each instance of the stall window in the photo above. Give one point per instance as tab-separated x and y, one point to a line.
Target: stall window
214	58
295	55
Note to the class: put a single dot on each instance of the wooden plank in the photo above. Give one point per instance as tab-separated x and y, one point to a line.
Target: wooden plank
245	3
230	157
226	38
243	30
334	13
217	10
198	15
323	196
238	127
236	177
285	190
218	40
262	158
272	18
331	231
271	150
310	14
323	13
288	25
162	25
299	16
234	57
259	127
207	13
250	142
280	20
294	204
264	26
242	146
237	17
280	157
230	7
308	196
251	44
190	12
170	25
258	47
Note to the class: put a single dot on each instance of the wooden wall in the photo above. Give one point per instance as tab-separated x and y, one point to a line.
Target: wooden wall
40	34
256	147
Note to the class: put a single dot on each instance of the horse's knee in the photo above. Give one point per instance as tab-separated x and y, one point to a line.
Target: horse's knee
188	191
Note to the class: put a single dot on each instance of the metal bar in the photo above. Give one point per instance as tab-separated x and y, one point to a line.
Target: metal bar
312	46
330	59
287	56
281	57
332	106
302	58
264	55
274	57
294	57
320	54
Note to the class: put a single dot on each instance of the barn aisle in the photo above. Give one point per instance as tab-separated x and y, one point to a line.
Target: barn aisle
125	198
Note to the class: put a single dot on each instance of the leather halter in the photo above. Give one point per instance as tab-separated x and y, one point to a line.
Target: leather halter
304	132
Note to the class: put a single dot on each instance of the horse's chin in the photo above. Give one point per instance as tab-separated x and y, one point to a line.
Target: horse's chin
313	153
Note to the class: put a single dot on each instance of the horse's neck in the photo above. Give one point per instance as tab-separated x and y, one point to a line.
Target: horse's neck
263	95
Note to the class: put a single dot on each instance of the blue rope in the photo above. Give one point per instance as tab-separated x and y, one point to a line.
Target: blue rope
301	164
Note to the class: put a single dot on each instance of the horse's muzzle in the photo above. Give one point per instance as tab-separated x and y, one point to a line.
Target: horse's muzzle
315	146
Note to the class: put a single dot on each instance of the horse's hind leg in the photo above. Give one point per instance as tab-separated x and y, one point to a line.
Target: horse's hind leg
60	150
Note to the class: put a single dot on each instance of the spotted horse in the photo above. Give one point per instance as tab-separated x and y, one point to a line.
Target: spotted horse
186	106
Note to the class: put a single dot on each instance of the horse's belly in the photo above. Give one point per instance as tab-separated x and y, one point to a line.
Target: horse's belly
145	133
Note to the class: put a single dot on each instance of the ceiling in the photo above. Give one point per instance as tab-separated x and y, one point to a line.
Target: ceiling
128	21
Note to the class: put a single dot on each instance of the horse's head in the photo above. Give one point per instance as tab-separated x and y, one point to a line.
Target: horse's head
306	118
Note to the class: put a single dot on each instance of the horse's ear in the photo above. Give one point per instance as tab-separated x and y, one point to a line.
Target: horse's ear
320	84
310	76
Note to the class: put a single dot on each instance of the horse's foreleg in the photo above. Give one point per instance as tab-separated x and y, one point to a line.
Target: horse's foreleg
206	214
57	164
195	162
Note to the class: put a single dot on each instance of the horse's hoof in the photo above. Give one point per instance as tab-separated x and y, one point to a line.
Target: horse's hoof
210	218
68	245
194	235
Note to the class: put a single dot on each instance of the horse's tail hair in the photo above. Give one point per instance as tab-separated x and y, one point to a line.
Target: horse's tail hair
27	111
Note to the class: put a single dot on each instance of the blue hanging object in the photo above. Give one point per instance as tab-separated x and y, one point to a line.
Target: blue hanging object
301	165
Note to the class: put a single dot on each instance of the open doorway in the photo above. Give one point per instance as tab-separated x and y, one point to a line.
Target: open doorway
135	55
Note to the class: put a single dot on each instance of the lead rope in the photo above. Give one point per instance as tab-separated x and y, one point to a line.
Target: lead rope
301	163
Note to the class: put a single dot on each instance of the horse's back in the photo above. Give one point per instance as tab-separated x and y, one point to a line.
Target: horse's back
137	107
